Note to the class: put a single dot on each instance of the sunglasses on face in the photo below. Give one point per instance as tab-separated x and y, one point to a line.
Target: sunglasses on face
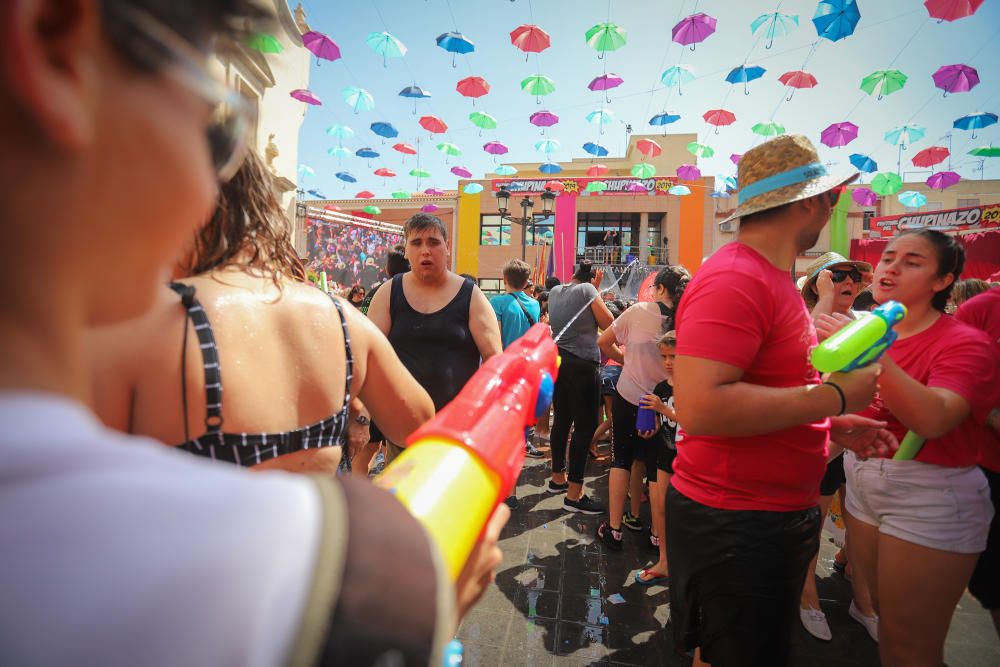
840	275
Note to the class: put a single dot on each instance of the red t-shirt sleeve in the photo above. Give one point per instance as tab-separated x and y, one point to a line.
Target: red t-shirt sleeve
967	366
723	321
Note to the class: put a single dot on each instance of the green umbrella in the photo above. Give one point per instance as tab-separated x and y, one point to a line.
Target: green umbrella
449	149
643	170
597	186
265	43
768	129
400	195
886	183
420	173
986	151
538	85
886	81
700	150
373	210
483	121
605	37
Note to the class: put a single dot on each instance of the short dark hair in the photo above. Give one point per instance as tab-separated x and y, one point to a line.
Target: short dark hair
396	262
421	221
865	300
584	271
668	339
551	282
950	260
516	273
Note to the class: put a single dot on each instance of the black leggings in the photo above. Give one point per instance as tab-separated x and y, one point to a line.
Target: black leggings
575	402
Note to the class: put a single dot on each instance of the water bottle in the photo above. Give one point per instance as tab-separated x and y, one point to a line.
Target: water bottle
645	419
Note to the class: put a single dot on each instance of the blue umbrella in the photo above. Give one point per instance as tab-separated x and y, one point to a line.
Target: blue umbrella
346	177
455	43
366	152
975	121
864	163
415	92
595	149
745	74
836	19
550	168
385	130
664	119
720	194
317	194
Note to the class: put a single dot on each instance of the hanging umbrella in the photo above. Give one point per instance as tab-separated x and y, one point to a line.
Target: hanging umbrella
321	46
420	173
505	170
449	149
401	194
886	81
700	150
905	134
472	86
385	173
943	180
406	149
340	131
839	134
358	99
307	96
693	29
340	152
688	172
555	186
931	156
735	158
461	172
547	146
364	194
729	183
720	194
680	190
429	208
530	39
473	188
538	86
664	119
372	210
863	163
768	129
543	119
495	148
956	78
386	46
595	149
643	170
346	176
605	37
745	74
778	25
597	170
648	147
597	186
331	207
549	168
886	183
415	93
606	82
864	197
637	188
986	151
455	43
265	43
306	169
385	130
483	121
719	117
433	124
836	19
601	117
676	75
433	192
912	199
366	152
797	79
317	194
975	121
951	10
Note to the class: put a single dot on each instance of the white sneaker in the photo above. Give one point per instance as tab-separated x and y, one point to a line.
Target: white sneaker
815	623
870	622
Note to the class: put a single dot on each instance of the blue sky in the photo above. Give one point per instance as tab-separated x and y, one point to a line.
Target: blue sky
892	34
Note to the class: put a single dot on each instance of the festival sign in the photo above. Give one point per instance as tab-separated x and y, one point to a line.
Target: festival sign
658	185
986	216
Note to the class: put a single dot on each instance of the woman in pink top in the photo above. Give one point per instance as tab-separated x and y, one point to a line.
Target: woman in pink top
918	526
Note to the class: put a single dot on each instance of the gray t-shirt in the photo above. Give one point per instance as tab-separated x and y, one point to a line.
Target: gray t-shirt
580	338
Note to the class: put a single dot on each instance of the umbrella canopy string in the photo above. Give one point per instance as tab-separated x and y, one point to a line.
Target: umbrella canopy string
663	61
891	63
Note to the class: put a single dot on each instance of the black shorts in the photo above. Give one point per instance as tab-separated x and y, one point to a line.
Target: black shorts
985	582
627	446
834	477
735	579
665	454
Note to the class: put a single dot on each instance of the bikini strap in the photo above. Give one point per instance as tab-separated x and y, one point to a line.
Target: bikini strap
347	351
210	359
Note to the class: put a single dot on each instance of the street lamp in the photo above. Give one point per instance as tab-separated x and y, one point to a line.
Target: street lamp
527	215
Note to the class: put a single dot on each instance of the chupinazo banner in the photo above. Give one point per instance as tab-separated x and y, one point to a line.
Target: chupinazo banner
982	217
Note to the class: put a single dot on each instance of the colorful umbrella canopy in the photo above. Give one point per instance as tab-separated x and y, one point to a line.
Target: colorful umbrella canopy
385	172
538	86
401	194
530	39
637	188
495	148
797	79
905	134
505	170
719	117
768	129
364	194
605	37
415	93
455	43
778	25
307	96
543	119
420	173
975	121
943	180
745	74
549	168
680	190
346	176
664	119
366	153
340	152
317	194
406	149
321	46
449	149
836	19
700	150
676	75
839	134
912	199
735	158
693	29
648	147
483	121
720	194
429	208
386	46
864	197
886	183
372	210
383	129
433	124
863	163
931	156
885	81
951	10
555	186
472	86
986	151
595	149
433	192
340	131
547	145
643	170
266	43
600	117
597	186
597	170
956	78
688	172
358	99
306	169
605	82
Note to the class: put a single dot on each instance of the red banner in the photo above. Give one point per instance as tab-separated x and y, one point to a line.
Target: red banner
983	217
578	186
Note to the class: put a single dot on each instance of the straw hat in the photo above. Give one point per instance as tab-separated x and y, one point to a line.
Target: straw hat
781	171
827	260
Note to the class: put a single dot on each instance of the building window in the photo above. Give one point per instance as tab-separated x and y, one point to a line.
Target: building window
541	231
968	203
866	221
494	230
491	286
934	206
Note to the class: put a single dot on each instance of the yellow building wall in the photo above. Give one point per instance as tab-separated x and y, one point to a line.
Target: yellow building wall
466	242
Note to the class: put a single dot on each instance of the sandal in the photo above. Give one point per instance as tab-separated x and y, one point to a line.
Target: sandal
655	580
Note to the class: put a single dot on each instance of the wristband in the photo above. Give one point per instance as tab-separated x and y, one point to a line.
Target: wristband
843	398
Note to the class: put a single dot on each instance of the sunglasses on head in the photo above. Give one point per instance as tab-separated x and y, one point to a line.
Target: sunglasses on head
840	275
833	195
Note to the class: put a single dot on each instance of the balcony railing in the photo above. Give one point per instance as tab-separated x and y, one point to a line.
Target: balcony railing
621	255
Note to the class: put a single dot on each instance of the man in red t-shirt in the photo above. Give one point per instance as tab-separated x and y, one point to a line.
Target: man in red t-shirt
742	521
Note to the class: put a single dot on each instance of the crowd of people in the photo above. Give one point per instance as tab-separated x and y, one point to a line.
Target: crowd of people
350	255
153	518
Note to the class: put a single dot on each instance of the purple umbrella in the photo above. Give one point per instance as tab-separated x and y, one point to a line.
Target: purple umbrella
943	179
693	29
864	197
543	119
429	208
495	148
321	45
307	96
606	82
461	172
636	187
735	158
956	78
688	172
433	191
839	134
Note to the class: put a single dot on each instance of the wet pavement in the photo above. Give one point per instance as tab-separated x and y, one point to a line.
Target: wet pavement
550	604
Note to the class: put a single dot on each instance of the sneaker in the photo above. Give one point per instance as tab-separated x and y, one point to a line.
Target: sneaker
555	487
815	623
612	538
632	522
870	622
532	453
584	505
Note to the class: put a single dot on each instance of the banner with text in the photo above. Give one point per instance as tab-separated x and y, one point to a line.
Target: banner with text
658	185
984	217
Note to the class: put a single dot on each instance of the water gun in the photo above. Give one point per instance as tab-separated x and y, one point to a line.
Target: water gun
465	461
861	342
909	447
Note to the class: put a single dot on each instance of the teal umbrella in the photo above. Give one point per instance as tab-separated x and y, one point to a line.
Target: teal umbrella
386	46
778	25
680	190
675	76
547	145
505	170
601	117
912	199
358	99
605	37
340	131
905	134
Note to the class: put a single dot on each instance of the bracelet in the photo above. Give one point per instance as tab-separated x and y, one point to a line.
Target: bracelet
840	392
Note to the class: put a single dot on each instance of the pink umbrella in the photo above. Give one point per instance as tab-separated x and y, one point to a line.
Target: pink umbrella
943	180
693	29
597	170
495	148
648	147
797	79
429	208
461	172
606	82
864	197
636	187
321	45
688	172
307	96
543	119
839	134
473	86
433	124
433	191
951	10
956	78
719	117
735	158
555	186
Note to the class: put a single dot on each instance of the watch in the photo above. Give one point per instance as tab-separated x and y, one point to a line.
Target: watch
361	419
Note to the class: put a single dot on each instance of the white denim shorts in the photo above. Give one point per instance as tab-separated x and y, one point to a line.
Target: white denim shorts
937	507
